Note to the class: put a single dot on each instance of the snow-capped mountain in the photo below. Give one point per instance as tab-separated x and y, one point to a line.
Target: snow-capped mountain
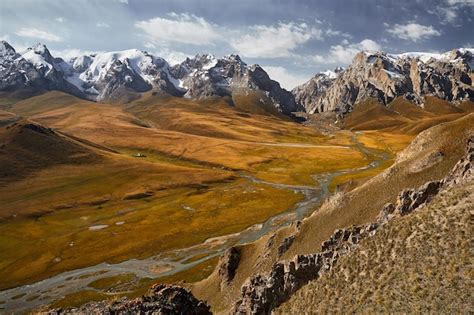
384	76
110	75
34	68
205	76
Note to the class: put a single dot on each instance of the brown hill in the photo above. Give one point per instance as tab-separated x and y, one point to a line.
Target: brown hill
439	107
27	147
370	115
408	109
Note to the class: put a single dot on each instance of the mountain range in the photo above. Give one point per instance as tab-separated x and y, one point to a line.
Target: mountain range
124	75
121	174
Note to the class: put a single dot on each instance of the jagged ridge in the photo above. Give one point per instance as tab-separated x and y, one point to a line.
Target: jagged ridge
384	77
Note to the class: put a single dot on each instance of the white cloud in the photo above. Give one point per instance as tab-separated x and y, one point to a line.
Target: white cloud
102	24
172	57
274	41
286	79
460	2
68	54
181	28
413	31
59	19
448	14
39	34
122	1
345	52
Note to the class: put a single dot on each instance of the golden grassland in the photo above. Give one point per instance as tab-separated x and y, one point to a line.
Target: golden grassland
173	218
187	169
195	151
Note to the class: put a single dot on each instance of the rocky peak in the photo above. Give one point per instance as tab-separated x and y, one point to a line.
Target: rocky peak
6	49
386	76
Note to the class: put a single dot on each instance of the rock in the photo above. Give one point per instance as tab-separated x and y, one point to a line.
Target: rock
162	299
286	244
386	213
228	264
385	77
138	195
410	199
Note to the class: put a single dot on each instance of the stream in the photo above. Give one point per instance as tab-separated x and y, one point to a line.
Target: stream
27	297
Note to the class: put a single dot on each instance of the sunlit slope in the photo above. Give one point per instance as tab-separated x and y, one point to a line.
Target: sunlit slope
402	116
431	156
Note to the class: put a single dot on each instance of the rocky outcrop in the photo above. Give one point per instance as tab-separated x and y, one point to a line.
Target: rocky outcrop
263	293
228	264
286	244
411	199
306	93
162	299
384	77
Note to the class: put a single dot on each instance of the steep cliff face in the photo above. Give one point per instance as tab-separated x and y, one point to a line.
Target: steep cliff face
384	77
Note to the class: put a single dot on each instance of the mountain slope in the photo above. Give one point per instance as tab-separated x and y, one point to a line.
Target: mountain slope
418	163
415	263
27	147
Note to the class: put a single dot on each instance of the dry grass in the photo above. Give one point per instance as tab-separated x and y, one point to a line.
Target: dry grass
359	206
421	263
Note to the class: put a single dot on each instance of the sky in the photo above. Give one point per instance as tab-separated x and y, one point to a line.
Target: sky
292	40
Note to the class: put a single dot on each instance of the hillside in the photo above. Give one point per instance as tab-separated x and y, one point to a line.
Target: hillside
27	147
414	263
414	166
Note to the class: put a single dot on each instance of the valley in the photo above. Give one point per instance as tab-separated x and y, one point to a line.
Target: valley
119	171
200	187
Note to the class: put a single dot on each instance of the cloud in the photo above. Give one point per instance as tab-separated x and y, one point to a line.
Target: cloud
448	11
274	41
448	14
345	52
460	2
180	28
413	31
102	24
171	56
122	1
68	54
39	34
286	79
59	19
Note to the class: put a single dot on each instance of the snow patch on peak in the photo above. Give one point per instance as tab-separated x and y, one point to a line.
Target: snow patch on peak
36	58
330	74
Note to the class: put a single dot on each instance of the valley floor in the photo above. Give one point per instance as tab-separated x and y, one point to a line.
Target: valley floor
159	188
216	178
